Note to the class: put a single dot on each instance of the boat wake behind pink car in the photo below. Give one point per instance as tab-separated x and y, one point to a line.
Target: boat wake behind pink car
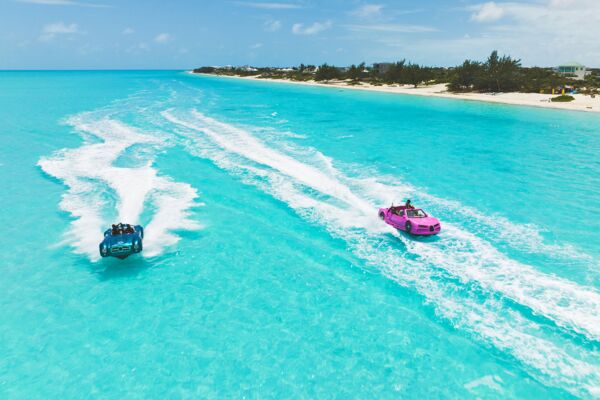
410	220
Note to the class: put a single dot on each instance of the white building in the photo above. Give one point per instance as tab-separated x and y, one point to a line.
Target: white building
577	70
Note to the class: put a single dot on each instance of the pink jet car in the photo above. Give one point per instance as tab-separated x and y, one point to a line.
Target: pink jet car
410	220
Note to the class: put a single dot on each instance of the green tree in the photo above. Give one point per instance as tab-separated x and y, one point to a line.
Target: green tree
465	76
205	70
415	74
395	73
501	74
327	72
591	82
539	79
356	72
426	74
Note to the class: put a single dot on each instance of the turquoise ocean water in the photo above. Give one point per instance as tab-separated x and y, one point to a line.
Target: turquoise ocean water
265	272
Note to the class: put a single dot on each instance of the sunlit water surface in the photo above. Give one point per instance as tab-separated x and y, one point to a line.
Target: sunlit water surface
265	271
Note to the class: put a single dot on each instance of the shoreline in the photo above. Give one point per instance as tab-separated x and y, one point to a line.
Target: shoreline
581	102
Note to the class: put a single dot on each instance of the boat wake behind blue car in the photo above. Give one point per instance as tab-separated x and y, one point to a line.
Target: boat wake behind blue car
122	240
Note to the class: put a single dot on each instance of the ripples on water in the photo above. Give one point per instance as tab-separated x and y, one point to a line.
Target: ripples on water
486	275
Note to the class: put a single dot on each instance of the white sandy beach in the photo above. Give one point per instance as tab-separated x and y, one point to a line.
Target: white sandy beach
581	102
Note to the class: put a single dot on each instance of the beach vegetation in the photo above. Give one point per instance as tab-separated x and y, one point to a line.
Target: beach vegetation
404	73
536	80
415	74
465	77
494	75
562	99
592	84
327	72
204	70
394	72
356	72
500	74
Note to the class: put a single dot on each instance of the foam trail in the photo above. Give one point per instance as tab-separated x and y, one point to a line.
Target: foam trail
356	222
489	320
522	237
172	202
470	257
459	252
91	177
260	153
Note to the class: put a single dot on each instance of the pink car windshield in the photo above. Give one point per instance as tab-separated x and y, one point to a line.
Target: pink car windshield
415	213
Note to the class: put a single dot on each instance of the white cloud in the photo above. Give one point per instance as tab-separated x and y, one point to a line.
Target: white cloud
50	31
268	6
542	33
397	28
301	29
561	3
487	12
163	38
62	3
128	31
256	46
368	10
272	26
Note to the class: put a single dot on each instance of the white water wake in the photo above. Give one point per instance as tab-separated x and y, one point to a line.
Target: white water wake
93	180
326	196
523	237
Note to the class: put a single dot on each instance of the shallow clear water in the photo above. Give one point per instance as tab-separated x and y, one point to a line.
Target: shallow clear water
265	272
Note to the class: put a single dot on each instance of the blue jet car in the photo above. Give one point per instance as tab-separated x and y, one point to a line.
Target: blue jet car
122	240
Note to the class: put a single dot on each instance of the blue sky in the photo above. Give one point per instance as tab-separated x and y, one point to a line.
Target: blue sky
49	34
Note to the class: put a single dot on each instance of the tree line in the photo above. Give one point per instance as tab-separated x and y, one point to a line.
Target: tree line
505	74
495	74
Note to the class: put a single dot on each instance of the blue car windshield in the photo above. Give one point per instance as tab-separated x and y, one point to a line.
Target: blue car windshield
415	213
122	230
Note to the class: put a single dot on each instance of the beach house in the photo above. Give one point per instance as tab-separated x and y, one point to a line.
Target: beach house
577	70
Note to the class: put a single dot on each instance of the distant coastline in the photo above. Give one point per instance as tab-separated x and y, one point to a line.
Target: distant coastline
581	102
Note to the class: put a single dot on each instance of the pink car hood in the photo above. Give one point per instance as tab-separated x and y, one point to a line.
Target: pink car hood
424	221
